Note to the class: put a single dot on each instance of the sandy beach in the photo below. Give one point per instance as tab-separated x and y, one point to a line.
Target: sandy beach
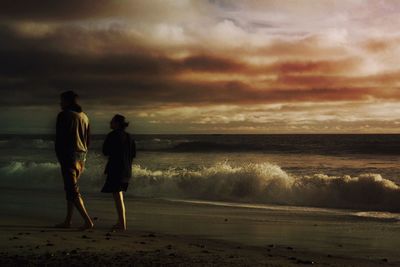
235	133
175	233
36	245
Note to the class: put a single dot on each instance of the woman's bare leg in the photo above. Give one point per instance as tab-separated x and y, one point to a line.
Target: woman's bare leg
120	206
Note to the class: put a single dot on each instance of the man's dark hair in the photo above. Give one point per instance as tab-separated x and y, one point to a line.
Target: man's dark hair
70	96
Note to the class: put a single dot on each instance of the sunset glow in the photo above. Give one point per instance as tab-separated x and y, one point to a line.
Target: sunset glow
205	66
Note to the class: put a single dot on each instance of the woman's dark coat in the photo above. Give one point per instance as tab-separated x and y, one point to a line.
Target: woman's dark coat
120	148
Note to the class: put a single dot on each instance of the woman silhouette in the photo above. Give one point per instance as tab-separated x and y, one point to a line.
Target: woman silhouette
120	148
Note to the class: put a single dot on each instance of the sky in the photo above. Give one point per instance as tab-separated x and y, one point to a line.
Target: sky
193	66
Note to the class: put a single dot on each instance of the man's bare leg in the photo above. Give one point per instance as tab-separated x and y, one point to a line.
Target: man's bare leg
120	206
68	218
82	210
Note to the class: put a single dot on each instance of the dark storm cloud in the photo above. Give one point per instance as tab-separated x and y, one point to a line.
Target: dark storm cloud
34	70
76	11
164	91
188	56
58	10
110	67
36	77
48	63
68	50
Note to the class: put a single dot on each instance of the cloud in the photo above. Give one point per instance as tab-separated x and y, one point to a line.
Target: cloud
197	54
99	68
77	10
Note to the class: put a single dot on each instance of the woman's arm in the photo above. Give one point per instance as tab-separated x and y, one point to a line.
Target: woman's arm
107	146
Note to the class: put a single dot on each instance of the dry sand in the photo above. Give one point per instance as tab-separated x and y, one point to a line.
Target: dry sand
36	245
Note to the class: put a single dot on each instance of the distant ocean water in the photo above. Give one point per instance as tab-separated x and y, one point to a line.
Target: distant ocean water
330	171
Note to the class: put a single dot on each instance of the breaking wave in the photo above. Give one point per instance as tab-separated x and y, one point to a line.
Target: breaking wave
254	183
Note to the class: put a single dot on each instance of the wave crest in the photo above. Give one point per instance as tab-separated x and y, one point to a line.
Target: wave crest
255	183
268	183
221	181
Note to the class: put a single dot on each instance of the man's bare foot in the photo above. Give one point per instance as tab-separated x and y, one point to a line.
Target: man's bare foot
86	226
63	225
118	228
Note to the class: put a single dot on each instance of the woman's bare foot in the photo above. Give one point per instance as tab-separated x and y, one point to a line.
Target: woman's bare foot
63	225
118	228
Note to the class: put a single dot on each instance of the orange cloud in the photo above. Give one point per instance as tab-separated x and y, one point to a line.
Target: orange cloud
173	54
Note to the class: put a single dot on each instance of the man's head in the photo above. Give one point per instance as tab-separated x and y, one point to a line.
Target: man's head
68	98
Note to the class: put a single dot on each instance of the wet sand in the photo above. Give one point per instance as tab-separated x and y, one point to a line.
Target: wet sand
169	233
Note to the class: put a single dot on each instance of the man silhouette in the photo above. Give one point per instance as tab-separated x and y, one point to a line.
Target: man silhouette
71	145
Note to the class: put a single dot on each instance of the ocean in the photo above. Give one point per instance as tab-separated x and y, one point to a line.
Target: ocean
349	171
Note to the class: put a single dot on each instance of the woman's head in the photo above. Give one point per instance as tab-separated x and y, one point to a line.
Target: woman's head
118	122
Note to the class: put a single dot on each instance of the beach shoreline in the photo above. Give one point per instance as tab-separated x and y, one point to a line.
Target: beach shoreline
173	233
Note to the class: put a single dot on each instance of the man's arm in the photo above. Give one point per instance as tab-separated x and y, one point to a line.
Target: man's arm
133	148
58	144
88	137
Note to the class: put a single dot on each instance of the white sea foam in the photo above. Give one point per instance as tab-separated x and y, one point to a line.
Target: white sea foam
268	183
28	174
378	215
254	183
